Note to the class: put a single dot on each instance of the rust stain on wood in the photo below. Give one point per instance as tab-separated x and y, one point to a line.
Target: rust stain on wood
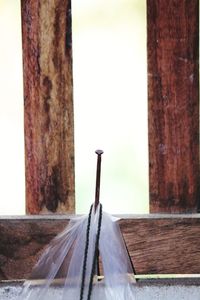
165	245
48	103
173	100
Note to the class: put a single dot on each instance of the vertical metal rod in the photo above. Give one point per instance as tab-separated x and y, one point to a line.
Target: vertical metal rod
98	175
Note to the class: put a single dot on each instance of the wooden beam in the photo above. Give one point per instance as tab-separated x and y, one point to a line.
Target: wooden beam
173	97
164	244
49	144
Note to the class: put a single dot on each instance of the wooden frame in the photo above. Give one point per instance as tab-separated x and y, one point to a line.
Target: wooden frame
157	243
173	102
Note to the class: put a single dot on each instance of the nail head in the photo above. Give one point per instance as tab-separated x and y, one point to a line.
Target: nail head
99	152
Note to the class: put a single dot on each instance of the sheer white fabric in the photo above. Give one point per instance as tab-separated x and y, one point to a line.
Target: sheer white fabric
60	267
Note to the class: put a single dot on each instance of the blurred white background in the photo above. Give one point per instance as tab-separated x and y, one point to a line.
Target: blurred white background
110	103
12	186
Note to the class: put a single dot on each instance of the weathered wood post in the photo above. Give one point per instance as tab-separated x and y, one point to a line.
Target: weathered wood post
173	92
48	104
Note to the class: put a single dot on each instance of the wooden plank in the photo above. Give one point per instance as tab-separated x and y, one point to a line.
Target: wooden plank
157	244
173	104
49	144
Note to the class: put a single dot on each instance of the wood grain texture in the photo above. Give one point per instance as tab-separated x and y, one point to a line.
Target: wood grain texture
157	244
48	104
173	105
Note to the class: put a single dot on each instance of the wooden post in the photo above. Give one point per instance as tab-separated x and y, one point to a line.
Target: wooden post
173	84
49	144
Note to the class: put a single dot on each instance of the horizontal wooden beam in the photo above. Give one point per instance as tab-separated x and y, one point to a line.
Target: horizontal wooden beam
162	244
142	280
